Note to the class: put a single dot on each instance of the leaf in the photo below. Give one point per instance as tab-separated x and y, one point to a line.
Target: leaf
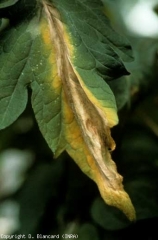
121	90
114	219
87	231
41	184
15	45
141	162
74	106
7	3
18	11
87	19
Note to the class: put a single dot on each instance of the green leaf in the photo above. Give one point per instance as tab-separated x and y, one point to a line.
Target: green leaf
140	189
16	72
108	217
3	24
41	186
19	11
87	232
89	24
121	90
7	3
141	163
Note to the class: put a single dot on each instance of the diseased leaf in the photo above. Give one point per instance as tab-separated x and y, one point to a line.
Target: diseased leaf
65	56
88	111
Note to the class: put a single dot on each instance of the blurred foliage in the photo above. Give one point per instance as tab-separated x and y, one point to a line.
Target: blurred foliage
39	195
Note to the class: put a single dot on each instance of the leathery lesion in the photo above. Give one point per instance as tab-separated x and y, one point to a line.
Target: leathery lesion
104	133
108	140
90	126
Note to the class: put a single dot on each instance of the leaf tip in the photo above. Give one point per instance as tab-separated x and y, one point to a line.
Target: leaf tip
121	200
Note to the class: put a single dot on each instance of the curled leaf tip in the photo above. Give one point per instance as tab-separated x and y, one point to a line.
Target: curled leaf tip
120	200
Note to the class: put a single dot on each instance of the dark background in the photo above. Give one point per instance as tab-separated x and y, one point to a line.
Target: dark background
42	195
